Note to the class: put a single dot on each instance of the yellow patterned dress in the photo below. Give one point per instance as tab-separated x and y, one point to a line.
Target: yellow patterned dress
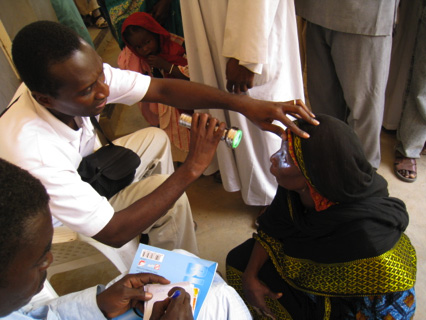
347	258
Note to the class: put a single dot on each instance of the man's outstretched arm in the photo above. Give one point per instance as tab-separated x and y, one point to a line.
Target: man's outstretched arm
191	95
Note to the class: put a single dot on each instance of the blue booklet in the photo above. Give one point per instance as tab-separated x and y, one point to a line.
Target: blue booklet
175	267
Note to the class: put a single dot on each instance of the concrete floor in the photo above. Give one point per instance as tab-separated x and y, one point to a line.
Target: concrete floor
224	221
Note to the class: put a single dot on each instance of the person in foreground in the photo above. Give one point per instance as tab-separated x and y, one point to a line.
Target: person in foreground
25	243
332	243
47	130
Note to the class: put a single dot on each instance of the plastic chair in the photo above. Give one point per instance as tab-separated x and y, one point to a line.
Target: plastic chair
72	250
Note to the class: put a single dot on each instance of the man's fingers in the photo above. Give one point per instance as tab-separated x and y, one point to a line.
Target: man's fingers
138	280
296	130
298	111
250	84
212	122
203	120
136	294
279	131
237	89
159	308
304	106
230	86
194	121
301	109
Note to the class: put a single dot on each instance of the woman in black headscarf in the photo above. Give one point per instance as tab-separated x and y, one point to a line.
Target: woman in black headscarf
331	244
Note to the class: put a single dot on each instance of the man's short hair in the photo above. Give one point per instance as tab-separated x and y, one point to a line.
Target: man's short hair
39	45
22	199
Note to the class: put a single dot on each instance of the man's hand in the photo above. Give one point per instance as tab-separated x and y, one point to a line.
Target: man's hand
238	78
268	111
173	308
127	293
204	140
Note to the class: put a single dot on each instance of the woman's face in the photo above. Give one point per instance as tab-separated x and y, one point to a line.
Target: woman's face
285	171
144	42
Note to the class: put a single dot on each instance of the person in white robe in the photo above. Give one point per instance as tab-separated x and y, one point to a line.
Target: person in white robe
262	36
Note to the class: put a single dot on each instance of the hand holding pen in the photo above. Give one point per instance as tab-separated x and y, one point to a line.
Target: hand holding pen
176	307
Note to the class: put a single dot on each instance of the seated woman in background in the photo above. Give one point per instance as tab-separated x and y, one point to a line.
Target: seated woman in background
332	244
152	50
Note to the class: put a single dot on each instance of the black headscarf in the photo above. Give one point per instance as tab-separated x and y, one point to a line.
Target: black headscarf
360	219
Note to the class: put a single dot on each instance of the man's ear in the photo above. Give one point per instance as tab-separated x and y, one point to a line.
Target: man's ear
44	99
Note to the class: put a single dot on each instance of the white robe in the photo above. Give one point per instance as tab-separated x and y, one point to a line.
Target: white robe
262	34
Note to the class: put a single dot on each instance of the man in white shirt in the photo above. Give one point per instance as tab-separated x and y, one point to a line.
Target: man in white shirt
26	238
46	130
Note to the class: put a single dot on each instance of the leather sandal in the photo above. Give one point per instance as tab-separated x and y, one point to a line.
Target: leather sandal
405	168
100	22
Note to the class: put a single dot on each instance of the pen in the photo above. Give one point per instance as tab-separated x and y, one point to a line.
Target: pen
175	294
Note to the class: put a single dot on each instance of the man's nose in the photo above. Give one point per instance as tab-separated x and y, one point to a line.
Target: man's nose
103	91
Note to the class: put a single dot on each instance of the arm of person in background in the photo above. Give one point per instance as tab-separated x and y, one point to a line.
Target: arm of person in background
161	10
144	212
238	78
254	290
246	36
167	67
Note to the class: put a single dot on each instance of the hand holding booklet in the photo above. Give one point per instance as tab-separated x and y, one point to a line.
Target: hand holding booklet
193	274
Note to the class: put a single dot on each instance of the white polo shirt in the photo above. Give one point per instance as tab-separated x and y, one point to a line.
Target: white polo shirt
32	138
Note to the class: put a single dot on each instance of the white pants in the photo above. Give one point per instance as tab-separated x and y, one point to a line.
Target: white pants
175	229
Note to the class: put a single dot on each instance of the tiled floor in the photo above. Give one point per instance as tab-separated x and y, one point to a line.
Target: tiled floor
224	220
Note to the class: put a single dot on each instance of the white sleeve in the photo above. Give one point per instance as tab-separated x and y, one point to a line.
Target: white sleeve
125	86
223	302
78	305
247	30
253	67
72	201
74	306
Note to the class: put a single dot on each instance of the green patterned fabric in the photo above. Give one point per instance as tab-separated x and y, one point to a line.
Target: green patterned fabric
354	278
